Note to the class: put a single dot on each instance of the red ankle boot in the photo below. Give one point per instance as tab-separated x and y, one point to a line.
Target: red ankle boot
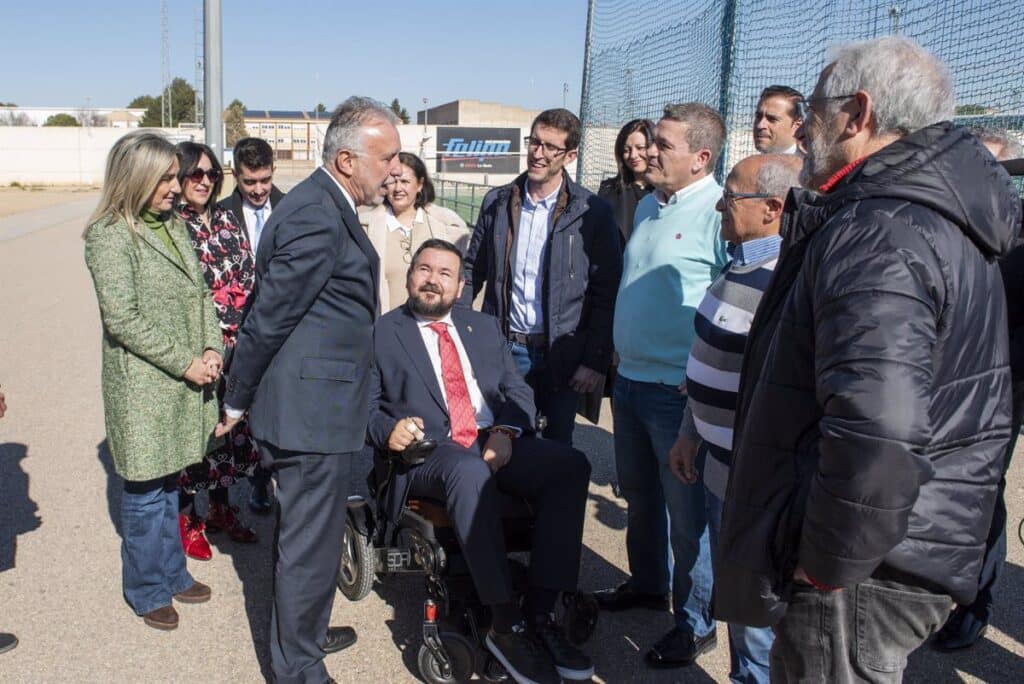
224	517
193	541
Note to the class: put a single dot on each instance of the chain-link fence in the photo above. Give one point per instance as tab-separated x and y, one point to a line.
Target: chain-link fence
643	54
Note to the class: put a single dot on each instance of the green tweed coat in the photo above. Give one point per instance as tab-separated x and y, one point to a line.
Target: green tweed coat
156	317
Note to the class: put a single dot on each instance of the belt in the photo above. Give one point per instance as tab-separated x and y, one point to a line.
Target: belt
536	340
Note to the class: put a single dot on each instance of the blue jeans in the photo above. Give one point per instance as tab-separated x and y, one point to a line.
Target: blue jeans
152	560
646	422
748	646
557	404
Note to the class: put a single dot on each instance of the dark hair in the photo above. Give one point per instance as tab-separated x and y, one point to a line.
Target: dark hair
794	96
426	194
255	153
190	153
444	246
706	128
645	126
563	120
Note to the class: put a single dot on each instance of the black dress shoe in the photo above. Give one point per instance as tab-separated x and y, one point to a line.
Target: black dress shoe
259	499
679	648
623	597
7	642
962	630
339	638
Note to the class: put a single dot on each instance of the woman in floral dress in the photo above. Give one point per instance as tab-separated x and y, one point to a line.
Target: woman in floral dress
229	268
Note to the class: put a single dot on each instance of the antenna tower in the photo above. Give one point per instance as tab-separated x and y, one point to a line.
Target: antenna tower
166	115
199	77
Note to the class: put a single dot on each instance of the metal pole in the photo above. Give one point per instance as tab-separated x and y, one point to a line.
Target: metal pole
213	105
725	84
585	88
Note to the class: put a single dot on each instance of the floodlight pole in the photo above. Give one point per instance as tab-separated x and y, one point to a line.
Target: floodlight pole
213	105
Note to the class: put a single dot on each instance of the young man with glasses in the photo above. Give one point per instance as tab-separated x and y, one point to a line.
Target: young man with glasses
751	208
673	255
255	196
548	252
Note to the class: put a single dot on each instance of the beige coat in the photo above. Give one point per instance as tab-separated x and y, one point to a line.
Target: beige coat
157	316
438	222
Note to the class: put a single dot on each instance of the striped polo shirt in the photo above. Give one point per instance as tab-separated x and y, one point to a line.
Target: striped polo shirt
713	371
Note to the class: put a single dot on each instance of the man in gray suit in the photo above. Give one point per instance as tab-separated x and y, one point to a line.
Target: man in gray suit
301	369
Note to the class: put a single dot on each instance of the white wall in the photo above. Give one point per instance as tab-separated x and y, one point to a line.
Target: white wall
62	156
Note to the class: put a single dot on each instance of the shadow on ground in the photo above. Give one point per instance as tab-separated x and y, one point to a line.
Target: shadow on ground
18	512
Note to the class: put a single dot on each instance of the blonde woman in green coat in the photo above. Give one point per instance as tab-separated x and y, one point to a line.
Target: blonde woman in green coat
161	354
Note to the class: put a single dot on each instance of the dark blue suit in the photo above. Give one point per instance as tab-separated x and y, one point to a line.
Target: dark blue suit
551	476
302	368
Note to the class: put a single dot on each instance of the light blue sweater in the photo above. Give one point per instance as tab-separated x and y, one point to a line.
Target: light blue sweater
673	255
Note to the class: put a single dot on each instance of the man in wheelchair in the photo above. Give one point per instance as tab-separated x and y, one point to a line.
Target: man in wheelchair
446	375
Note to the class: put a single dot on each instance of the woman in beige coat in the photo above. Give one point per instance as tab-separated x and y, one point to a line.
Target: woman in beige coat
161	353
407	219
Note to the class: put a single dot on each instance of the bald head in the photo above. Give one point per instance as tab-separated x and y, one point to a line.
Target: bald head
747	218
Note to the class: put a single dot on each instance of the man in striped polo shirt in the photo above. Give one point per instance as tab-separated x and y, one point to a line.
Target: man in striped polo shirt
751	208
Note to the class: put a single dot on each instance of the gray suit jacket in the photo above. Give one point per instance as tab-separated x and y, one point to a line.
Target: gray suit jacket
304	353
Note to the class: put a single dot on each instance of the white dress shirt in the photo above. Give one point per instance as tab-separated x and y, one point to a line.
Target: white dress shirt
526	313
664	201
484	416
249	216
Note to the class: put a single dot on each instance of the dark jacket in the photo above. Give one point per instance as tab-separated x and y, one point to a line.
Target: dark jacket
234	203
874	399
622	198
583	269
403	383
304	353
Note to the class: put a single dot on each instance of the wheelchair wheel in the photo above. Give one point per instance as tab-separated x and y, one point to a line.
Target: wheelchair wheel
461	653
356	573
580	617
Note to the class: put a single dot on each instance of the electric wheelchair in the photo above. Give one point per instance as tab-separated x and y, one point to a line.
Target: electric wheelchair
422	541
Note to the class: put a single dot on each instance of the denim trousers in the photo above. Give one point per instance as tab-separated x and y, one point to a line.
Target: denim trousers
152	560
748	646
557	404
662	511
863	633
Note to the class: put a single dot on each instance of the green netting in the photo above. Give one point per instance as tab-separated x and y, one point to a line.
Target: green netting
643	54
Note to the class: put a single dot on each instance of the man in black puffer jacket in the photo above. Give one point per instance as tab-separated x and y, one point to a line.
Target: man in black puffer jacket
874	400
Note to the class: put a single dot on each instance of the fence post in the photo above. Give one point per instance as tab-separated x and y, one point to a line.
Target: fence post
725	80
585	88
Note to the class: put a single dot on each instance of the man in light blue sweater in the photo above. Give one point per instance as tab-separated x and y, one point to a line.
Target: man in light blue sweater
673	255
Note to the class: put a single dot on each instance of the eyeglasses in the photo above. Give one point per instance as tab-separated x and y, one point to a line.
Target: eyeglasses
805	108
733	197
551	151
196	175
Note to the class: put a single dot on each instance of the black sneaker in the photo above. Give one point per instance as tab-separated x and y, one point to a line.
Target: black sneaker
570	662
7	642
522	654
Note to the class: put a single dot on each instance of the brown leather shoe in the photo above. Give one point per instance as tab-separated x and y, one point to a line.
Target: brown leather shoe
197	593
165	618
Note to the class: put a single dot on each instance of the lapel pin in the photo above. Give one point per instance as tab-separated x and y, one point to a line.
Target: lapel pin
469	328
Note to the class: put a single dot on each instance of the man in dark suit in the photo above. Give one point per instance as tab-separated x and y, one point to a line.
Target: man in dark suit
252	202
448	374
301	368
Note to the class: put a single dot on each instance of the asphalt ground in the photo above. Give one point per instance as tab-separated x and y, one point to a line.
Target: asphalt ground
59	545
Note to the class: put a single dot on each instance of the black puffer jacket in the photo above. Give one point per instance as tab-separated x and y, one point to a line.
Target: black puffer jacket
875	393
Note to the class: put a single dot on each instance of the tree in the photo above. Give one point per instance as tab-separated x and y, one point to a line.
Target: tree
968	109
61	119
234	122
7	104
400	111
321	108
183	105
14	119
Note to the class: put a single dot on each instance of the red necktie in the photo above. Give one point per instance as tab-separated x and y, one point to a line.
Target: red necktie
460	408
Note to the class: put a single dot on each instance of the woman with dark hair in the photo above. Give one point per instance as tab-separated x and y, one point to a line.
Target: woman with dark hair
406	220
624	191
227	263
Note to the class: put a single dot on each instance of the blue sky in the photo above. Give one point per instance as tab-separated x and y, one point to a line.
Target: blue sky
291	54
